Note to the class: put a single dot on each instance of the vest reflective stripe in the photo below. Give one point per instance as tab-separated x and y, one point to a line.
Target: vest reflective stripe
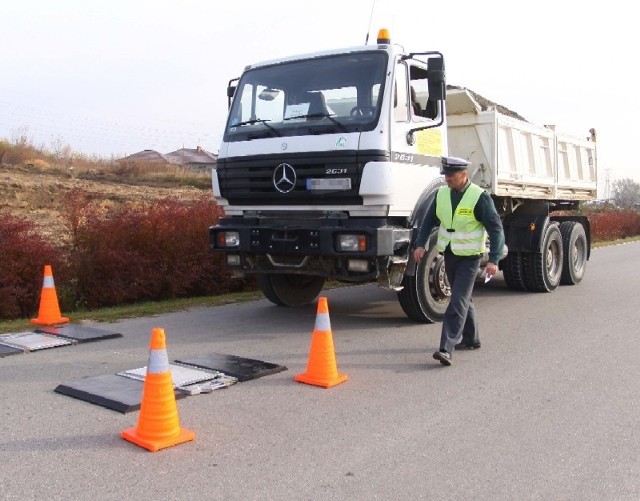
323	323
468	237
158	362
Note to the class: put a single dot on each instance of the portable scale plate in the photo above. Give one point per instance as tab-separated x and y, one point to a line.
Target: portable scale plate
32	341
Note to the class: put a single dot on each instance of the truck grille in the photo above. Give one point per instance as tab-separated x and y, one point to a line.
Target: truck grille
250	180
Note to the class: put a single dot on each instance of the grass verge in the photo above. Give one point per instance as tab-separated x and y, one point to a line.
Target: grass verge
614	242
149	309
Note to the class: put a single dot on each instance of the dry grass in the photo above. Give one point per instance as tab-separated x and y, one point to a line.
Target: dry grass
61	160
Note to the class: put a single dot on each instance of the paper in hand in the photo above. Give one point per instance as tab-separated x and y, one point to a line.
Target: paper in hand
487	278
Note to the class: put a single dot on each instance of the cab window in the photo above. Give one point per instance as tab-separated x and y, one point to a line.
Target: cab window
400	97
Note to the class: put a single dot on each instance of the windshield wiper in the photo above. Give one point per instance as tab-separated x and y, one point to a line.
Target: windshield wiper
259	120
320	115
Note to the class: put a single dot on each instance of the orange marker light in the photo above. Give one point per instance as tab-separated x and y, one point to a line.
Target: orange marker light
384	36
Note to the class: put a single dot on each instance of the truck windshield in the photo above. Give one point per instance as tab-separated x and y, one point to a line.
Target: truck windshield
322	95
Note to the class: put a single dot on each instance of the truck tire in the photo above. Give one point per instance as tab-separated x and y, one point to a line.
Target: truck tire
513	272
290	289
425	296
574	243
542	270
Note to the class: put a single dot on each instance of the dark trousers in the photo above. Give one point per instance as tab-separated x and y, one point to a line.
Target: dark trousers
459	322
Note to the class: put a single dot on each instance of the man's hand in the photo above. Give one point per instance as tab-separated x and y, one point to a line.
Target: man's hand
418	253
490	269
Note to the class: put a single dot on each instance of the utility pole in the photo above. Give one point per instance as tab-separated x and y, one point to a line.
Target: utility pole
607	184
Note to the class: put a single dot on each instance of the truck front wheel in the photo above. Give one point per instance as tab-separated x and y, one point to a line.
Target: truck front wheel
425	296
290	289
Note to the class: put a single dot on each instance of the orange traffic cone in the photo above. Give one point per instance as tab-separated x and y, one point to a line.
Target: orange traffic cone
49	312
321	367
158	424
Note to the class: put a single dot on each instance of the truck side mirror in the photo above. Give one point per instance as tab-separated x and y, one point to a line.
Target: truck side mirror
436	76
231	89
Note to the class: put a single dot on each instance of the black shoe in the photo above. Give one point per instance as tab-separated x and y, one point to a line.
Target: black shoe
470	346
443	357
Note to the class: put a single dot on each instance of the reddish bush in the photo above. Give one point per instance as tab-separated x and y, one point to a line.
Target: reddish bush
24	253
147	252
613	225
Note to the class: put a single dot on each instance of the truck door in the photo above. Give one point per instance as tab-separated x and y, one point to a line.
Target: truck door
415	156
412	108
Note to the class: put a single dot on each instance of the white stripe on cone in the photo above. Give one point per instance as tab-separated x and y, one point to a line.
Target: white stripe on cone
322	322
158	362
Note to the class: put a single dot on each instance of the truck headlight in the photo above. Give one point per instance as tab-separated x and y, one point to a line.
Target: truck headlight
352	243
228	239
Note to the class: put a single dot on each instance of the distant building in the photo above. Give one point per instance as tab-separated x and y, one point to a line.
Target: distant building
145	156
197	159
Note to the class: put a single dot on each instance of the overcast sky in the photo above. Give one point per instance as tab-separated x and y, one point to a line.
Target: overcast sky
116	77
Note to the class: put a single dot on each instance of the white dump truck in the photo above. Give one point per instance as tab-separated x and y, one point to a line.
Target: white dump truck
329	161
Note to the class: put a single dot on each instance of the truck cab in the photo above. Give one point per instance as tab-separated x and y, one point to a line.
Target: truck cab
326	161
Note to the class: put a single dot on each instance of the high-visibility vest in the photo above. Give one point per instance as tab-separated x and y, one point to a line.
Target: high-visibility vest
462	231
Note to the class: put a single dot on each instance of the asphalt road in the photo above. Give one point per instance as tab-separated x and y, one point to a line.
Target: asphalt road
547	409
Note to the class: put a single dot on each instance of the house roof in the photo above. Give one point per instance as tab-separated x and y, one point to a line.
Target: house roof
191	156
146	156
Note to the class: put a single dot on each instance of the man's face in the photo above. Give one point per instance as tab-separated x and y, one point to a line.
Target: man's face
457	180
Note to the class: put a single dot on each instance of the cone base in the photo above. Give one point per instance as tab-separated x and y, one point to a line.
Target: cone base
54	321
324	382
131	434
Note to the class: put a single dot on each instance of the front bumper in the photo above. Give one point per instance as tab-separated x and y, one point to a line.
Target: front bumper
313	249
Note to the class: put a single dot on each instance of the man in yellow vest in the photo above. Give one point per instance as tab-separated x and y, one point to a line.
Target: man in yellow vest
463	211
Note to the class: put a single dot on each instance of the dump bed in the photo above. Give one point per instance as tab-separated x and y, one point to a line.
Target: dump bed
512	157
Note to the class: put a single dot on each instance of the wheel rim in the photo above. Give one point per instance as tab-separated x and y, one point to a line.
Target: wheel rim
554	257
578	253
439	287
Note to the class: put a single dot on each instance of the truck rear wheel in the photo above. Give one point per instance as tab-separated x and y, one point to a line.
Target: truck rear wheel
543	270
425	296
513	272
574	243
290	289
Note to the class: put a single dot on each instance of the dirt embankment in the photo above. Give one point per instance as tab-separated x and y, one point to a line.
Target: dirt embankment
40	196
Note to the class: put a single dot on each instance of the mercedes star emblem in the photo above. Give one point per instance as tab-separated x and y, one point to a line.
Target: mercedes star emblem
284	178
